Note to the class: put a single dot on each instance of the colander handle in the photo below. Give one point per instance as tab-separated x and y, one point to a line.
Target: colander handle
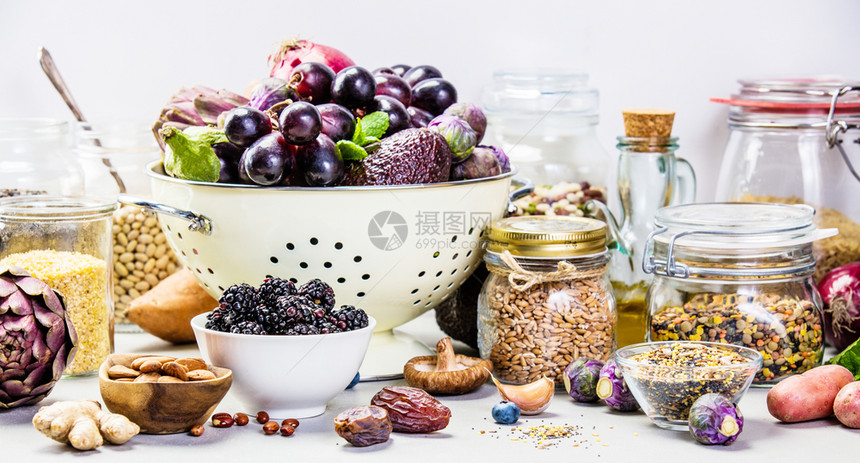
197	222
526	187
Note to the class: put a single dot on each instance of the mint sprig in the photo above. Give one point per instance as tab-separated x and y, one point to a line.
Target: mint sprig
368	130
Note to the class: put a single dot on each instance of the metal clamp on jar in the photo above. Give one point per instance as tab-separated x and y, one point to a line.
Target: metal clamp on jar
738	273
548	300
784	147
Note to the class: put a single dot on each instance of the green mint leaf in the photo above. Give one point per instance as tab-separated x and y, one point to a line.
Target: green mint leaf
350	151
358	135
374	124
370	140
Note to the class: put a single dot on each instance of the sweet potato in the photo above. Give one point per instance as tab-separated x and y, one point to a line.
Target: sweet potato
809	396
846	407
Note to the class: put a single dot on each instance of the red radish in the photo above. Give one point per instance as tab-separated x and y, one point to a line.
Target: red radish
293	52
840	291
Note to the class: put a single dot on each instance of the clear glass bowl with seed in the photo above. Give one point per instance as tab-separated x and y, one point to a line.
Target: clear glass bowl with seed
667	377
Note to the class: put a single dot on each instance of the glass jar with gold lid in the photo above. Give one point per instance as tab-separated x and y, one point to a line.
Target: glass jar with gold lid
547	300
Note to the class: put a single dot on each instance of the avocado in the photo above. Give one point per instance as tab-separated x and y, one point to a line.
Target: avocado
407	157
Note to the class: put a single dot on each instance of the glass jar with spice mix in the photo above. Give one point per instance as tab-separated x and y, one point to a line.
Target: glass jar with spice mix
786	145
738	273
65	241
547	300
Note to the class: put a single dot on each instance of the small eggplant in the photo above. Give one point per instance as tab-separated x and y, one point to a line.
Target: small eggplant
714	419
580	379
613	390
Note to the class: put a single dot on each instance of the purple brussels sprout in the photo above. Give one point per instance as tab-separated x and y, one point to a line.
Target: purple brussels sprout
613	390
504	162
472	114
460	137
482	163
580	379
37	338
271	91
715	419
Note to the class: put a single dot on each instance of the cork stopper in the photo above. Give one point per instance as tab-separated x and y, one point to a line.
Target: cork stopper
648	122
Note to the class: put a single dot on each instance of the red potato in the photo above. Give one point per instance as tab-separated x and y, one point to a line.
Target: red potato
809	396
846	407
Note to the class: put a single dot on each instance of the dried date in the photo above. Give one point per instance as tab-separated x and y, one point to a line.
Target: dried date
363	426
411	409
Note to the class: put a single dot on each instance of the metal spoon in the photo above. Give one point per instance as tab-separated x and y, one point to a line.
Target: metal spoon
54	76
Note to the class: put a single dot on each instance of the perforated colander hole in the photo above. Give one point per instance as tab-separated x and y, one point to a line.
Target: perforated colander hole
469	254
327	264
417	302
453	272
436	254
211	272
291	246
421	274
183	253
357	258
168	229
220	288
427	304
415	291
341	280
438	274
179	235
294	280
205	285
303	264
436	288
454	239
359	294
366	276
455	256
450	285
194	250
273	259
198	270
314	241
338	246
471	230
466	269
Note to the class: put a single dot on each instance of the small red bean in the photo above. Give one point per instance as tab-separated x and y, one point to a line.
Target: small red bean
222	420
271	427
287	430
290	422
196	430
262	417
241	419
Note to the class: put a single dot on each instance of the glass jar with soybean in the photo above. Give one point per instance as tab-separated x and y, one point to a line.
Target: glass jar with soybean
738	273
547	300
65	241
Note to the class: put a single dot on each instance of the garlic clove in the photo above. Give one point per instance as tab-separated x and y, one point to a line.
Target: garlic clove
532	398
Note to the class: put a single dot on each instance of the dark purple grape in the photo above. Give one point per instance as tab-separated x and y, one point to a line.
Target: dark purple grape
229	171
400	69
320	162
300	123
244	125
419	117
228	155
383	70
434	95
313	81
243	174
337	122
421	73
266	161
394	86
398	118
353	87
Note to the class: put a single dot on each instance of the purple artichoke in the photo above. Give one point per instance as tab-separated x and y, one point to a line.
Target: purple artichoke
482	163
472	114
580	379
37	339
613	390
714	419
460	137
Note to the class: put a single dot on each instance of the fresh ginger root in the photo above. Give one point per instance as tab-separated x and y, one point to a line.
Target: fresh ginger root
83	424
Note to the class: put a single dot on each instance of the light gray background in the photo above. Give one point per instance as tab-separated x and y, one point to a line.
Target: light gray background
125	59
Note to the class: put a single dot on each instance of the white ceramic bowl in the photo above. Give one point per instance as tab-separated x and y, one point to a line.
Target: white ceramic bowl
287	376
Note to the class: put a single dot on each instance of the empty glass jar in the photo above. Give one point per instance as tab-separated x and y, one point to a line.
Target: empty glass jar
36	158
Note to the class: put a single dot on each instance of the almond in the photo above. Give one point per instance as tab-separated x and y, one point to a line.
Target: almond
161	358
122	371
150	366
147	378
169	379
192	363
176	370
200	375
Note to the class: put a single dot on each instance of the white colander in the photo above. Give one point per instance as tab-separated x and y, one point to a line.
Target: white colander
395	252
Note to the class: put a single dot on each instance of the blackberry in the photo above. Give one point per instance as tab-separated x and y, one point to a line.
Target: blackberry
239	298
247	327
349	318
319	292
327	326
215	321
273	287
303	328
296	309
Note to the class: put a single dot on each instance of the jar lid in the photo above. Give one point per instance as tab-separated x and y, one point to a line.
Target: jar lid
529	93
547	236
738	225
40	208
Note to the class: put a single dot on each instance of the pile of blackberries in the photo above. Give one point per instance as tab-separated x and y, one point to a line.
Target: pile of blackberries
278	307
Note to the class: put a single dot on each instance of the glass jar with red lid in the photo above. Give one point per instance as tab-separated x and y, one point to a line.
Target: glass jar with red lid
798	141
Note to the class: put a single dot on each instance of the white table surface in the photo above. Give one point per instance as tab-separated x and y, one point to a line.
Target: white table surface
472	435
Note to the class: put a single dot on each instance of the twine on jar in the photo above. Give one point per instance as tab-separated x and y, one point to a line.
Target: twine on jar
522	280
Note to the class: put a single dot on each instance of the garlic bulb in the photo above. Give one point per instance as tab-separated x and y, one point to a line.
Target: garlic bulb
532	398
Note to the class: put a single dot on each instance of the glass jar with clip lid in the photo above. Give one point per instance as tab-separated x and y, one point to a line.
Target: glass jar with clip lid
738	273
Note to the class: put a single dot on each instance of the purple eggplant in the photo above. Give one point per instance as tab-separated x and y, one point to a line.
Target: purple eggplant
714	419
580	379
613	390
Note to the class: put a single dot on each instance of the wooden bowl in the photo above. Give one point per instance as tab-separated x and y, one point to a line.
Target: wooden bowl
162	408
